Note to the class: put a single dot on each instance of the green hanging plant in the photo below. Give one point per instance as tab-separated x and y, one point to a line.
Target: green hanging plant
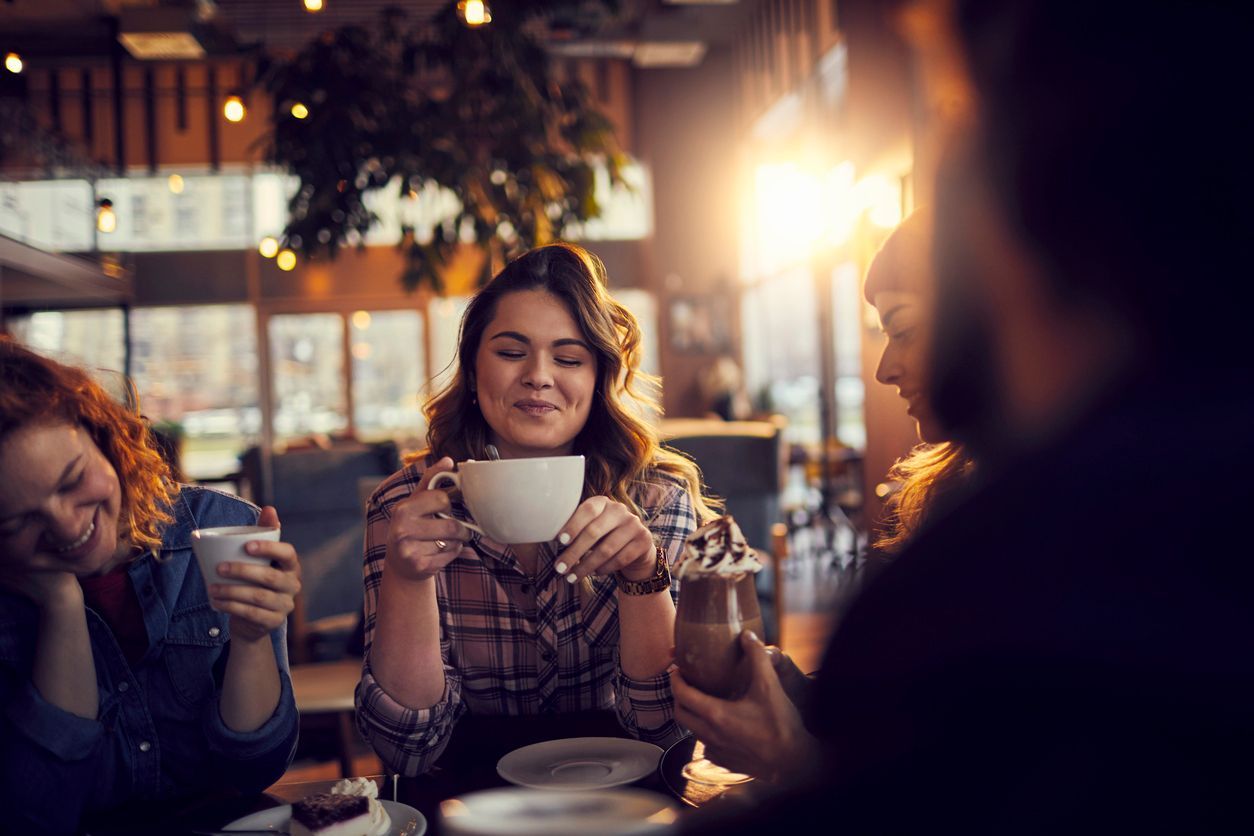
474	117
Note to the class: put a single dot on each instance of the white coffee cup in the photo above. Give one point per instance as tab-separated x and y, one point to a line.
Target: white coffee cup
220	545
518	500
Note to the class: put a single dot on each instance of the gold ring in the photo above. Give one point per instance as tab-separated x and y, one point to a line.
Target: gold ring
440	545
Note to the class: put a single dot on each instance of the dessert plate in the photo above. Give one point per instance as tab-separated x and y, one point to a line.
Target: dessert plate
580	763
520	811
278	819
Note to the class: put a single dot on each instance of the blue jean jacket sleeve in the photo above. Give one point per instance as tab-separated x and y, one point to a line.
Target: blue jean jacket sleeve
44	749
254	760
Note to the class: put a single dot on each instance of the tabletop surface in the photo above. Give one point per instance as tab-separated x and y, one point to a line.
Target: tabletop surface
468	765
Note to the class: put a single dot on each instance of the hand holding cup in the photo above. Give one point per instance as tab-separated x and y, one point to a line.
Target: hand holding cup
422	540
251	576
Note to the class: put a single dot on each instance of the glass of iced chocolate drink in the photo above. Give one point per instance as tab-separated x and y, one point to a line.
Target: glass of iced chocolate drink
717	600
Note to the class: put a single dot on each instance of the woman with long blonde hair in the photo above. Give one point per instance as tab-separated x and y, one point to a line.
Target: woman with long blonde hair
547	365
899	286
762	734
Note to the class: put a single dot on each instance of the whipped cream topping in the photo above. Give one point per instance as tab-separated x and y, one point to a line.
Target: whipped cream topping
380	821
717	548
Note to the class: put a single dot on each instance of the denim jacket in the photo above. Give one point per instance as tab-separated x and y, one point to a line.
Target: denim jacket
158	733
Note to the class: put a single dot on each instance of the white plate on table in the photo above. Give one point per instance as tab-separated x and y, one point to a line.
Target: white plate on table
279	818
522	811
580	763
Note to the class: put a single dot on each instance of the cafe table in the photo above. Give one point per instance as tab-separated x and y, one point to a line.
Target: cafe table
467	765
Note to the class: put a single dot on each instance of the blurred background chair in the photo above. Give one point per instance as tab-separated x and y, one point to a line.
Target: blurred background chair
320	493
743	463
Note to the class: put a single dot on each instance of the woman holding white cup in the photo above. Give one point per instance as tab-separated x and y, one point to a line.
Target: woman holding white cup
123	674
455	621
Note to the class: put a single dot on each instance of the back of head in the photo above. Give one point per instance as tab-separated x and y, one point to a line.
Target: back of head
1113	135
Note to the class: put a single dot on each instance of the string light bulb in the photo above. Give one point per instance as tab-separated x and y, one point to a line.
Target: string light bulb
474	12
299	110
268	247
233	108
175	182
286	260
313	6
13	63
106	218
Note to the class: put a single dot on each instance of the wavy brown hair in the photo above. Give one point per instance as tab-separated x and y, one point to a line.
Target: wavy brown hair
620	448
928	477
35	389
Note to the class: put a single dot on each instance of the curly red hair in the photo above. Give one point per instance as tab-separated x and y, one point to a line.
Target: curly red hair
35	389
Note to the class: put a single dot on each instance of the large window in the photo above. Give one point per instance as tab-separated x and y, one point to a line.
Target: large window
92	339
388	373
196	370
847	309
781	340
445	319
307	357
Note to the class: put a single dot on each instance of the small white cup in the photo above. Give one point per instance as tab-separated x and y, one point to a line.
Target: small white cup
219	545
518	500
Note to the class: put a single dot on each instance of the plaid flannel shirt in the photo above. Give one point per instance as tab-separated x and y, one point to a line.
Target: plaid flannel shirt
512	644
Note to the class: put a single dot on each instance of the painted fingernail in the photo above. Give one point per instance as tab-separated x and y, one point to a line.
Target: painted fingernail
571	578
561	568
563	538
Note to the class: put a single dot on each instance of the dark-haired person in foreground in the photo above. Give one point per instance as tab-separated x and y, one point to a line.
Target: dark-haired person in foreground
1069	650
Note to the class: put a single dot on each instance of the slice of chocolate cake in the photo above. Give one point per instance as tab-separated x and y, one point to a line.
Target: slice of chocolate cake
331	815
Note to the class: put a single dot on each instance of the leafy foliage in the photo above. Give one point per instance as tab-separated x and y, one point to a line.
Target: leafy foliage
438	105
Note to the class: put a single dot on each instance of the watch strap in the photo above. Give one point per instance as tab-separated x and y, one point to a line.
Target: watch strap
658	581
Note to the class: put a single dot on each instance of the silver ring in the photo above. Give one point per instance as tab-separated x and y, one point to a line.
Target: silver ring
440	545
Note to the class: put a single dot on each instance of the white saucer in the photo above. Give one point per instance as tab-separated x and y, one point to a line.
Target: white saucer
278	818
520	811
580	763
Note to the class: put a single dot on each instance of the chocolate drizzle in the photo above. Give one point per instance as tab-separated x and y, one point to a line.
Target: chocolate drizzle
717	548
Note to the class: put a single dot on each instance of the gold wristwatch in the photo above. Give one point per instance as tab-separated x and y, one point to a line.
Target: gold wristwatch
659	580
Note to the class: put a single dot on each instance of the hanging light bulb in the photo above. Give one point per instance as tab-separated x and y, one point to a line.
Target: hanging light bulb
13	63
233	108
106	218
175	182
474	12
313	6
286	261
299	110
268	247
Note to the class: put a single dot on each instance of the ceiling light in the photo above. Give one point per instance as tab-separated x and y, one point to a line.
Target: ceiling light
175	182
269	247
286	261
300	111
233	109
106	218
474	12
313	6
160	33
669	54
13	63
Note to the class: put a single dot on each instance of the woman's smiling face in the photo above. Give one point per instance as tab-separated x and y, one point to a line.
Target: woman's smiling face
906	320
535	376
59	502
